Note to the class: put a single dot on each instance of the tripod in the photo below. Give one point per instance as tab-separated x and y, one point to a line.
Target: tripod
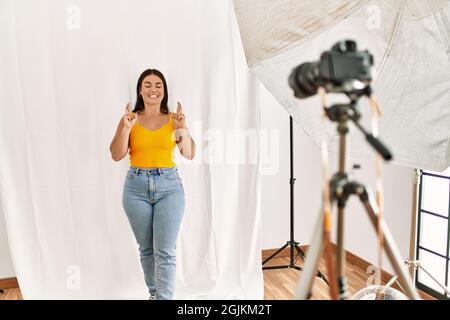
341	187
294	245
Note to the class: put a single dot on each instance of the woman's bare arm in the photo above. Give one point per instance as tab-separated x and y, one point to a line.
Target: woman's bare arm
120	142
185	143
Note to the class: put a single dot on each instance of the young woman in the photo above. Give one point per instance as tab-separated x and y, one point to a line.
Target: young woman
153	195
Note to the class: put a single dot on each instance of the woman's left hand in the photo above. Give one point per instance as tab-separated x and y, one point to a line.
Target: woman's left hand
179	118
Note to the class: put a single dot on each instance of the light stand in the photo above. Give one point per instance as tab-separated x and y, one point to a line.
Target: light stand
292	244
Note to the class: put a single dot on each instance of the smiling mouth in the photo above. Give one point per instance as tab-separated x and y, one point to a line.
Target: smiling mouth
153	96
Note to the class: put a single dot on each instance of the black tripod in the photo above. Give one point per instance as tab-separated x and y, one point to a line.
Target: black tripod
294	245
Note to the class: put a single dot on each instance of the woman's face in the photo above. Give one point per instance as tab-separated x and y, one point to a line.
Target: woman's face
152	90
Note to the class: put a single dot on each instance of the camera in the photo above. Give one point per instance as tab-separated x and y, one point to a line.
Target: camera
343	69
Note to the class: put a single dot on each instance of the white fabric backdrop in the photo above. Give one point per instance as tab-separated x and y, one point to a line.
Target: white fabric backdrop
410	40
68	69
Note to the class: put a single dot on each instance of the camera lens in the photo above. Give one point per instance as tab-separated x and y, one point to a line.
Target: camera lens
303	80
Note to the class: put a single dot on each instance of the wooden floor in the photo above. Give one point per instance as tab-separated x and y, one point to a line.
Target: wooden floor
11	294
280	284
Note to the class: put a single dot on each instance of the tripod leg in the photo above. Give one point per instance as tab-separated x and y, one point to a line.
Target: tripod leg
312	261
340	255
300	251
390	247
329	257
302	254
273	255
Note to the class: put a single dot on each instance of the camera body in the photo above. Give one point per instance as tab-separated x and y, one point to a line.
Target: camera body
343	69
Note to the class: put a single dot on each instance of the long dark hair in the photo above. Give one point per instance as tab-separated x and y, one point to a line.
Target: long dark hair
140	101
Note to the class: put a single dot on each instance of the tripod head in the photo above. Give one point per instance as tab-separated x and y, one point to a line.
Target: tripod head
342	113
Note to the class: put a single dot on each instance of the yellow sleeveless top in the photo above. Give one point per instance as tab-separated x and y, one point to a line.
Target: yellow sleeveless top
152	148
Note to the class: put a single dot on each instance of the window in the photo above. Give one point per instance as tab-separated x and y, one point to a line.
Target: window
433	236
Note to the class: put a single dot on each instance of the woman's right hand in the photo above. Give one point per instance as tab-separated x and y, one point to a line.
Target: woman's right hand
129	118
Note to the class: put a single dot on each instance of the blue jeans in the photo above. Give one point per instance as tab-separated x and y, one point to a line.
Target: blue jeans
153	200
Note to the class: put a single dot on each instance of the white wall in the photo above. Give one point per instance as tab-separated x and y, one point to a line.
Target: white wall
6	267
359	236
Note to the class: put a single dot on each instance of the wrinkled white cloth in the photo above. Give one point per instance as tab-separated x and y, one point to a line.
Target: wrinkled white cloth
68	68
